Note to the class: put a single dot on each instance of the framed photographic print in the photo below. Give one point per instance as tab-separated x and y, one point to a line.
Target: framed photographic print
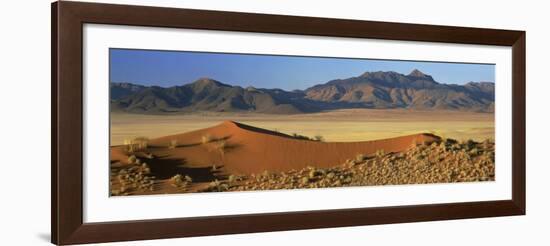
175	122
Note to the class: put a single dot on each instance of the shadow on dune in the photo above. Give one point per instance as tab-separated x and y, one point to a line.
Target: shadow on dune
260	130
221	139
165	168
270	132
438	138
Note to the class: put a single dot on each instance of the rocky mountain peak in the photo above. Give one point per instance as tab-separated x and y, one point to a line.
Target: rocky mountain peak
419	74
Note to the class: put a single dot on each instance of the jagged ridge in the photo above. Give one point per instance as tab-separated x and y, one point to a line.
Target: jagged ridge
416	90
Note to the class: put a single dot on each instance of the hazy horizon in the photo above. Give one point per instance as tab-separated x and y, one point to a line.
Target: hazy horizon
170	68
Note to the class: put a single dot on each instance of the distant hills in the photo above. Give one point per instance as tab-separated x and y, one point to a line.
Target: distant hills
381	90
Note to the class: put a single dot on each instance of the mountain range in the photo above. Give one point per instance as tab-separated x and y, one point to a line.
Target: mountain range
380	90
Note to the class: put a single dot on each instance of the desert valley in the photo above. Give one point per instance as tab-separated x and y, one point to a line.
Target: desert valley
379	128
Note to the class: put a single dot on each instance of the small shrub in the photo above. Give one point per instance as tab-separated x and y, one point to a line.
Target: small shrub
470	143
145	168
142	142
221	146
132	159
231	178
450	141
319	138
173	144
188	178
443	145
312	173
380	153
214	184
176	180
301	137
359	158
136	144
180	181
206	139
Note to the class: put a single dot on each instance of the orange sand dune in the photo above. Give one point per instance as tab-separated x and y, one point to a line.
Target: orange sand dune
253	150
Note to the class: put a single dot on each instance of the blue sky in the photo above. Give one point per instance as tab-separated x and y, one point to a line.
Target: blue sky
169	68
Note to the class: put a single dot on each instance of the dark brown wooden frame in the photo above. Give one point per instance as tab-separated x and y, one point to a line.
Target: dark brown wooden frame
67	206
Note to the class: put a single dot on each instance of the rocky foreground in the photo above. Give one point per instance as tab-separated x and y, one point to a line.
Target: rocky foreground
446	161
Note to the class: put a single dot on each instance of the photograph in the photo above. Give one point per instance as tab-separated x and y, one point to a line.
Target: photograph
191	122
174	123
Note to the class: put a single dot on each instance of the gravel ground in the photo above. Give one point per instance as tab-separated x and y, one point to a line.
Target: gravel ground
442	162
446	161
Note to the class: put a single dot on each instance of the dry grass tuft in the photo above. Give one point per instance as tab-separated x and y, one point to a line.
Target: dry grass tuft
221	146
319	138
180	181
217	186
380	153
173	144
132	179
359	158
136	144
206	139
132	159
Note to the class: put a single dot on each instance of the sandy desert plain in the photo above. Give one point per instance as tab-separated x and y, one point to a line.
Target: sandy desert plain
213	152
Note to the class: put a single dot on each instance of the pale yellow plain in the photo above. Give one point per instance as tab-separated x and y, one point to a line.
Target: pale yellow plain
336	126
